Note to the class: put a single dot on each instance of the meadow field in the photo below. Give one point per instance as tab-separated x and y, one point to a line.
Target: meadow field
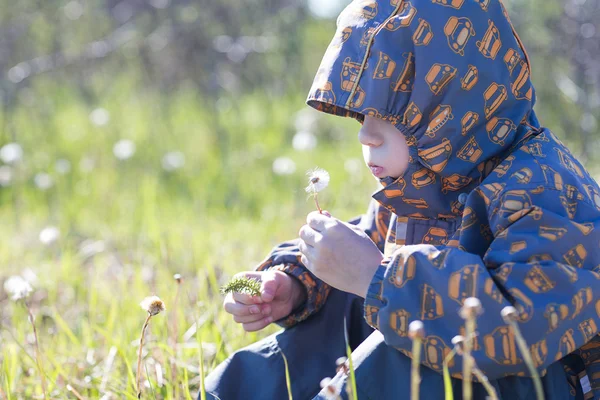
128	160
95	227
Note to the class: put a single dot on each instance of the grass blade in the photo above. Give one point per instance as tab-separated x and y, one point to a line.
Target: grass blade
350	365
288	381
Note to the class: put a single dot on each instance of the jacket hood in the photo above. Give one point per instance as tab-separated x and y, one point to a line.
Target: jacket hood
451	75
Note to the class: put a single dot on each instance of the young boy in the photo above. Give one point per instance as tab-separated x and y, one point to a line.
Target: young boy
478	200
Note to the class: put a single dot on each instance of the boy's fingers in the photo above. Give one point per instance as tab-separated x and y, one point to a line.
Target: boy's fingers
307	251
258	325
309	235
317	221
246	319
269	289
238	309
244	298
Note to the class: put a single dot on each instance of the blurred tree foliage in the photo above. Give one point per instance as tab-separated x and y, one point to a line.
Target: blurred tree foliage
223	50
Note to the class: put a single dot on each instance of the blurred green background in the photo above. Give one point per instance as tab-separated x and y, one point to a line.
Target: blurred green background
144	138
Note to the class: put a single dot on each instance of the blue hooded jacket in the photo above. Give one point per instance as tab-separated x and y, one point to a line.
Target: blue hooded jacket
491	206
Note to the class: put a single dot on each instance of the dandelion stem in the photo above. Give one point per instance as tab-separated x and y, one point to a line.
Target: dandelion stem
485	382
467	359
537	383
139	361
75	392
416	333
449	395
38	355
509	315
415	369
174	338
316	196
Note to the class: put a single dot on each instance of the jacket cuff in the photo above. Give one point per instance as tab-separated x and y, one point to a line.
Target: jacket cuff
316	291
374	300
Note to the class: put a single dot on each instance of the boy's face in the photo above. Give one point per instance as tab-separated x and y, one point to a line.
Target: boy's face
384	148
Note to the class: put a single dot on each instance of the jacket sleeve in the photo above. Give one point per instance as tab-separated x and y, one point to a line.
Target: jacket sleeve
286	258
539	260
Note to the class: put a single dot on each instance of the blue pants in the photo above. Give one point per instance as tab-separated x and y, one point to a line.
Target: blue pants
312	347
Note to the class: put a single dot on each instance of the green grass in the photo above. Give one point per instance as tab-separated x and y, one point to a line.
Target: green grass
218	215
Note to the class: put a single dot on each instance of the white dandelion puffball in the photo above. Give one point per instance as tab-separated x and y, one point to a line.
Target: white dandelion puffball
304	140
17	287
284	166
49	235
318	179
62	166
152	305
124	149
306	119
6	175
11	153
173	160
100	117
43	181
87	164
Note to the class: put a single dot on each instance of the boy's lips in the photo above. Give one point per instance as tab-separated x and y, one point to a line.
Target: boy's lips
376	170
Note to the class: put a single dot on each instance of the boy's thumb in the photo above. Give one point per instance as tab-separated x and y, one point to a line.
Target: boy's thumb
268	290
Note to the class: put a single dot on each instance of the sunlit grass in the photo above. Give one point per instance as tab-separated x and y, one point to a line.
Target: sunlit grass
127	226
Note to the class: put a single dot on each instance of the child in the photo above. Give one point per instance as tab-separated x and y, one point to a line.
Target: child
478	200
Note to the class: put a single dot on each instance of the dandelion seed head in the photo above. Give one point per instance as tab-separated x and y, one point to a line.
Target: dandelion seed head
318	179
49	235
73	10
304	141
471	308
458	341
177	278
152	305
43	181
416	330
6	175
87	164
11	153
17	287
173	160
509	313
284	166
99	117
30	276
124	149
62	166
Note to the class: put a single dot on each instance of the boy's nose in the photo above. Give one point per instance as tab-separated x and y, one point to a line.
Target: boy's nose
368	138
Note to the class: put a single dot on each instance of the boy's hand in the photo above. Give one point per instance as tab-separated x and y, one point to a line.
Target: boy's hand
339	253
280	294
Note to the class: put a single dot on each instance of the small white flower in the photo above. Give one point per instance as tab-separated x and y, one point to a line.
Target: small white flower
43	181
173	160
6	175
30	276
17	287
284	166
100	117
152	305
353	166
11	153
304	140
318	179
124	149
62	166
87	164
306	119
73	10
49	235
